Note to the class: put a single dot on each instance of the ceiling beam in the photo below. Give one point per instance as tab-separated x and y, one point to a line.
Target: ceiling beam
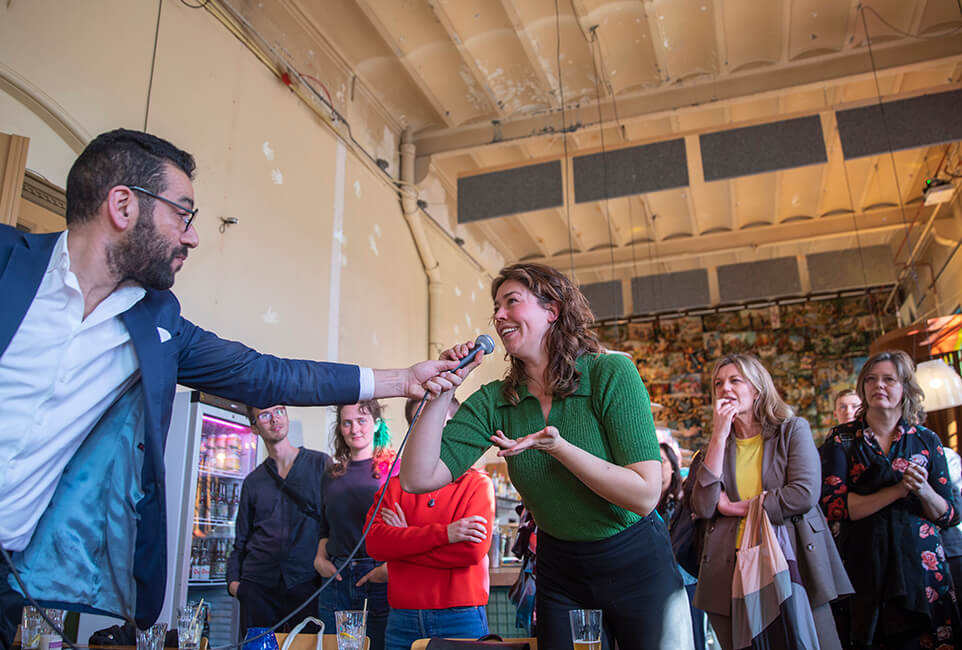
846	66
530	51
388	36
880	220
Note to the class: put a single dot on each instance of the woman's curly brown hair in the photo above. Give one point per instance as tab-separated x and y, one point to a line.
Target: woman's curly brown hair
569	336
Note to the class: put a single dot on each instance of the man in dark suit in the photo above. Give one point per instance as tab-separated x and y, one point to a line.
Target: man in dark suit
92	345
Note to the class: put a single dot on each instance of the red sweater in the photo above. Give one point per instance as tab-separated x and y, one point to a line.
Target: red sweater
425	570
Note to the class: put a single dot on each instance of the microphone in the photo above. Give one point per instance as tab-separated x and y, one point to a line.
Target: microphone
485	343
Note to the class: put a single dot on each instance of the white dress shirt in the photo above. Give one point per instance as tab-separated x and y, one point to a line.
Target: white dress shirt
59	374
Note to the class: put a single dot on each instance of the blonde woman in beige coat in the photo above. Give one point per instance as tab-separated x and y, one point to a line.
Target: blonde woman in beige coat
757	445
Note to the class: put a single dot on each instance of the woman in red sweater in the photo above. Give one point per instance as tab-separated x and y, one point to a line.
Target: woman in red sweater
436	549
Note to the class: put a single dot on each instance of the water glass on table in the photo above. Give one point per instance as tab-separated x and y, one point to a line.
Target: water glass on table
351	629
32	626
152	638
189	625
585	629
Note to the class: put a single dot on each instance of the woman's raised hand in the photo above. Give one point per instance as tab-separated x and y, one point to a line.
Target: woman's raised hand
723	414
548	440
447	381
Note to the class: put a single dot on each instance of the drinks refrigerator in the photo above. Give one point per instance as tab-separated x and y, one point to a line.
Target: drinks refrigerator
210	450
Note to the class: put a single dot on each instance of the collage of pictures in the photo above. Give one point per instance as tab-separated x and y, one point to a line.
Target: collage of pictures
812	350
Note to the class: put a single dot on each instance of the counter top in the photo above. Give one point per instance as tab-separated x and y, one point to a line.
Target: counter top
504	576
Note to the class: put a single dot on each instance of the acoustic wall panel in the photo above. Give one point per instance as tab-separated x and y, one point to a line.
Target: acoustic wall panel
670	291
629	171
605	299
510	191
752	280
872	265
762	148
908	123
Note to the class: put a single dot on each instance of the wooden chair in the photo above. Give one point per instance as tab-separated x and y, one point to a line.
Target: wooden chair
422	644
309	641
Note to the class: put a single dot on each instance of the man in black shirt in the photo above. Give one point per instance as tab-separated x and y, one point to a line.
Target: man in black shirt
270	570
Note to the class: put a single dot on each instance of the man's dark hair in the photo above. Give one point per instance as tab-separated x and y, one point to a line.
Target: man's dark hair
120	157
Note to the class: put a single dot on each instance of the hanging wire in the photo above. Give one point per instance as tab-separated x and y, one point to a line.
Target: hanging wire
564	138
604	153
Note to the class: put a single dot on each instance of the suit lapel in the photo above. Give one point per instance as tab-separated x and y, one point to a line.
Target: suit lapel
768	456
728	470
20	280
142	326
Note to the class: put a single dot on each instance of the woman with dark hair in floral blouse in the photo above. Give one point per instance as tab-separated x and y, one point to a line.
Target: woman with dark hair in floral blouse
886	476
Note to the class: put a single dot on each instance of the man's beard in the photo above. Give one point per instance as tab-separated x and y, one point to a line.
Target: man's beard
143	256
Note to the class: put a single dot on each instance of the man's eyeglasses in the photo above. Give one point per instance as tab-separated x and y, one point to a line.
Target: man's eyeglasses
191	212
271	414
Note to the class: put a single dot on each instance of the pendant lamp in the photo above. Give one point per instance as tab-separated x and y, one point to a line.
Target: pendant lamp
942	385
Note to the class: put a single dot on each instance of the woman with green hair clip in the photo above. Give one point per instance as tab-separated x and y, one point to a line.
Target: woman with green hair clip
361	460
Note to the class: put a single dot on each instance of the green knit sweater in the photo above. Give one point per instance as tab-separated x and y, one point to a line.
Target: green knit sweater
609	416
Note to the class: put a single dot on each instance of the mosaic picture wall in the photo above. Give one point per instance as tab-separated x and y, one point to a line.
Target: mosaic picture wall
812	349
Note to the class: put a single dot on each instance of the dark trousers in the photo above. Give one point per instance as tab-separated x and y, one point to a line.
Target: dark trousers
263	606
632	577
11	608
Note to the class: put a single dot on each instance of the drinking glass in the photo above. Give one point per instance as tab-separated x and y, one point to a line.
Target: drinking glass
585	629
351	628
32	626
152	638
189	624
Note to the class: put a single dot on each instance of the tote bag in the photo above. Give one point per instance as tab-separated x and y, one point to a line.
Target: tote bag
769	609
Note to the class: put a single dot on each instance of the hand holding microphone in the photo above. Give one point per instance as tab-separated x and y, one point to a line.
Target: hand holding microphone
467	356
483	344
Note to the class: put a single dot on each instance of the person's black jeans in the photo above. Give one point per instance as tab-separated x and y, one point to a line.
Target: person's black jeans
11	608
262	606
630	576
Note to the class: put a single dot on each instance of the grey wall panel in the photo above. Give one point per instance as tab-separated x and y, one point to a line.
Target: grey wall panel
762	148
510	191
670	291
908	123
605	299
629	171
851	268
765	279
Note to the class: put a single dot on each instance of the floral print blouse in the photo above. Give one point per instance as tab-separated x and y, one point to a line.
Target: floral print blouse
894	557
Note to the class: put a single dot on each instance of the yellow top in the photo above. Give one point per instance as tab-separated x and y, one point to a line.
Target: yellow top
748	473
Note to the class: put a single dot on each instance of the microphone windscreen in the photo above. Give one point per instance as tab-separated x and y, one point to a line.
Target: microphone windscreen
486	343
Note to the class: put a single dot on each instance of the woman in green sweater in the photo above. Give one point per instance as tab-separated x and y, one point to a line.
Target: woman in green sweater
576	428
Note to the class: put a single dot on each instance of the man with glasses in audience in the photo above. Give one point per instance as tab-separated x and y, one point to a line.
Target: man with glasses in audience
271	569
92	346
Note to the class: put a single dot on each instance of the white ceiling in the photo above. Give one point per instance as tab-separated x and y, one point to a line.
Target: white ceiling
478	85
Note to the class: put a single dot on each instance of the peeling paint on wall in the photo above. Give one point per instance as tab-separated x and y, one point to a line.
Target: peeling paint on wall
268	151
357	189
277	177
457	291
270	316
373	244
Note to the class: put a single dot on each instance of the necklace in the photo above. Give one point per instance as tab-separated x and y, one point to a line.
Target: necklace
431	501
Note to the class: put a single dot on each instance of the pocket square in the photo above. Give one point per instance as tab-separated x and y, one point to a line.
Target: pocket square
164	334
